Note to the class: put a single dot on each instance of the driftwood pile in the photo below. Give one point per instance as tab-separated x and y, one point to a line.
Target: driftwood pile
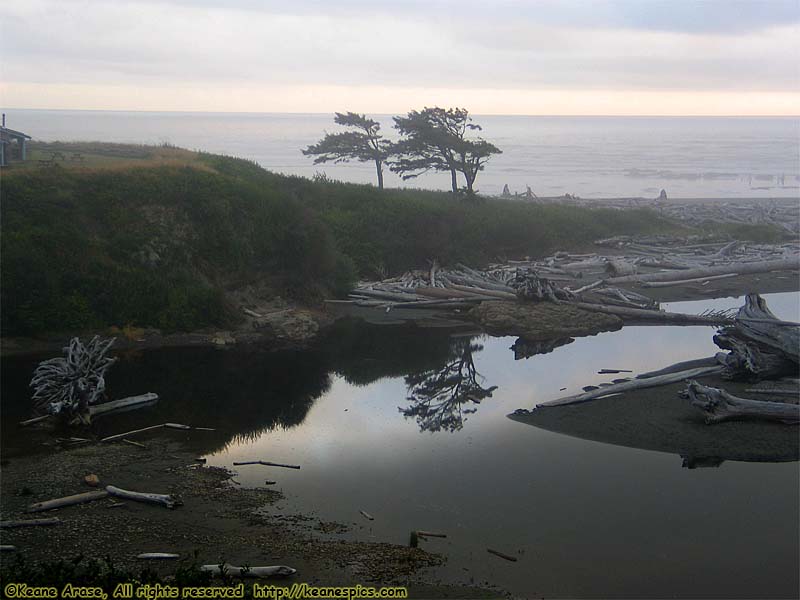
783	213
760	347
591	281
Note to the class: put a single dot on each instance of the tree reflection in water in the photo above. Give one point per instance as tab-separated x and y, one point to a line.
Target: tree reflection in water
441	399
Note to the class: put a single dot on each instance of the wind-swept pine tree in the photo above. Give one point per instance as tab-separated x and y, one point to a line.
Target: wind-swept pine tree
364	144
435	139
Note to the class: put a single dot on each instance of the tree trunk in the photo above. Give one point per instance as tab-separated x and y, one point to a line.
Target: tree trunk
379	169
454	180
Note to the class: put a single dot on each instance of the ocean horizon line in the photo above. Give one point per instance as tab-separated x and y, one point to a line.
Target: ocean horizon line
385	114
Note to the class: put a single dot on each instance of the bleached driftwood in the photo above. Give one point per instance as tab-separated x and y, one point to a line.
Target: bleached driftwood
635	384
618	268
761	345
662	284
30	523
642	314
119	436
528	285
266	464
70	384
774	392
157	556
68	501
123	404
709	361
484	292
125	434
718	405
7	548
34	420
255	572
162	499
784	264
757	322
366	515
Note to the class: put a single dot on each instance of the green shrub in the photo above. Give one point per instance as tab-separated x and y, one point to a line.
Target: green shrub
155	246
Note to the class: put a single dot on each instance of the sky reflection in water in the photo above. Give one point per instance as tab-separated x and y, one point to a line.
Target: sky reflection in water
581	516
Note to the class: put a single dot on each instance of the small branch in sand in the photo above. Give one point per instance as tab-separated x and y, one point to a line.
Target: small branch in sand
367	515
119	436
125	434
431	534
132	443
502	555
30	523
157	556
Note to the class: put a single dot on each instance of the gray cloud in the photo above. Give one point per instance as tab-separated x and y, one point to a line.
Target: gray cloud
603	44
687	16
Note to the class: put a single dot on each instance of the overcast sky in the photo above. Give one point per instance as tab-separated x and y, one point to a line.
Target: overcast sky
380	56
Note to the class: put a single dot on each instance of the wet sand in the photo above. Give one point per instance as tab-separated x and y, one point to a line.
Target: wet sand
218	520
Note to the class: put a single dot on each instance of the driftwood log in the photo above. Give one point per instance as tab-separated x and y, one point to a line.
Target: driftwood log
162	499
784	264
718	405
123	404
661	316
68	501
255	572
634	384
761	345
507	557
30	523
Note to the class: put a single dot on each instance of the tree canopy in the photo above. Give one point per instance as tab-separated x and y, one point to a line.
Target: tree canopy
364	143
436	139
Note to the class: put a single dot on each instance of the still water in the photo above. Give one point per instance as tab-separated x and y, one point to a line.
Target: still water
584	518
593	157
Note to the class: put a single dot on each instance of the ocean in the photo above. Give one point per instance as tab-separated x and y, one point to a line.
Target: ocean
590	157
